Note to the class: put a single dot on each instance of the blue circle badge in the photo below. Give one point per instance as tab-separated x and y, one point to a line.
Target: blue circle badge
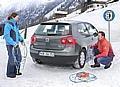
109	15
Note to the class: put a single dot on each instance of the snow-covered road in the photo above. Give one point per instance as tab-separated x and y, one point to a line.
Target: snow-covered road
36	75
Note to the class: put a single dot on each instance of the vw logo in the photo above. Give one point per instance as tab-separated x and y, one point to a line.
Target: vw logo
46	39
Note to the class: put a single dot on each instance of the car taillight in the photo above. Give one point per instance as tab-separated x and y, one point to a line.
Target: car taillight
63	40
33	39
68	40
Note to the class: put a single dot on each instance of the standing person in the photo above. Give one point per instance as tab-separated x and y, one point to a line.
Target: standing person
103	52
12	38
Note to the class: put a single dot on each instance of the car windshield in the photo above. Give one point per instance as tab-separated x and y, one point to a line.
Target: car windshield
47	29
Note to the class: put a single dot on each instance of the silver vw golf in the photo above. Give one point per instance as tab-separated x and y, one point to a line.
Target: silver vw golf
62	42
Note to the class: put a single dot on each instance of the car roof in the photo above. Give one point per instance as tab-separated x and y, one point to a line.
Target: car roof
63	21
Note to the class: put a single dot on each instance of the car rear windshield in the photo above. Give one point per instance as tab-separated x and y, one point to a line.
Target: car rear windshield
52	29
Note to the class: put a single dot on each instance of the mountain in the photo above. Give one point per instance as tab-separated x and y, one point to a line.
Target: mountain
29	13
32	14
36	14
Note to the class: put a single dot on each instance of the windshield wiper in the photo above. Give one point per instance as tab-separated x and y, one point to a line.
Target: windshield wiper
51	34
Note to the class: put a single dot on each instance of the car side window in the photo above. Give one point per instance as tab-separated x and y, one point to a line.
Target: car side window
82	29
91	29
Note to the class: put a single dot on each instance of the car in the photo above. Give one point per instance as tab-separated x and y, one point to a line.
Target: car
62	42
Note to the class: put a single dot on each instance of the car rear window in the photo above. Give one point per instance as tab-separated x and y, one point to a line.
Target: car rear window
49	29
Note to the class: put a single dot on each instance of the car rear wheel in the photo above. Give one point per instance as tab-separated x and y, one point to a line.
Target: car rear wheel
37	61
80	62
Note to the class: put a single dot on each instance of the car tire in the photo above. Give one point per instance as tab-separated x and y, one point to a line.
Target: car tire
80	62
37	61
82	57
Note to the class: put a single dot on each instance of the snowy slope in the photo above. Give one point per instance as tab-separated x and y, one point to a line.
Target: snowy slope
96	18
53	11
67	5
52	76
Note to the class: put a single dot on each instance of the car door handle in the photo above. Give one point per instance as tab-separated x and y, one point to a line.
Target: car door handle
92	38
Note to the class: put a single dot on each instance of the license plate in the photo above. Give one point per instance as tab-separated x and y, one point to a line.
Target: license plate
46	54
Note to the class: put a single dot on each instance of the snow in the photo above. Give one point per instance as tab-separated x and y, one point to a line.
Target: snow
20	4
100	0
35	75
53	11
96	18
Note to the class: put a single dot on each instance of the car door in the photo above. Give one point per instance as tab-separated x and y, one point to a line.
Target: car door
82	35
92	33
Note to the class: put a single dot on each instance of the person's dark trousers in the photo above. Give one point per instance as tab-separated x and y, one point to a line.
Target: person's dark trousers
105	60
96	52
18	58
11	66
102	60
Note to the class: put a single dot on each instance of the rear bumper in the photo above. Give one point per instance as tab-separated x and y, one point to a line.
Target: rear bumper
57	59
61	57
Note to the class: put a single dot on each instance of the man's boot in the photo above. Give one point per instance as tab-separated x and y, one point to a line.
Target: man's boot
18	72
96	63
107	66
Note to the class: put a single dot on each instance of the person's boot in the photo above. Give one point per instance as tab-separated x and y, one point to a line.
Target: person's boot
107	66
18	72
96	63
11	76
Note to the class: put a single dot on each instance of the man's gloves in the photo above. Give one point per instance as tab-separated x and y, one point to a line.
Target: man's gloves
22	42
16	46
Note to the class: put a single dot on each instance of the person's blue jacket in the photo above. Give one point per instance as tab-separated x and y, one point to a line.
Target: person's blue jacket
11	33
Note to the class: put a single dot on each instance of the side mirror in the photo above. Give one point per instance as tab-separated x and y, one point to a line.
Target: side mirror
95	34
